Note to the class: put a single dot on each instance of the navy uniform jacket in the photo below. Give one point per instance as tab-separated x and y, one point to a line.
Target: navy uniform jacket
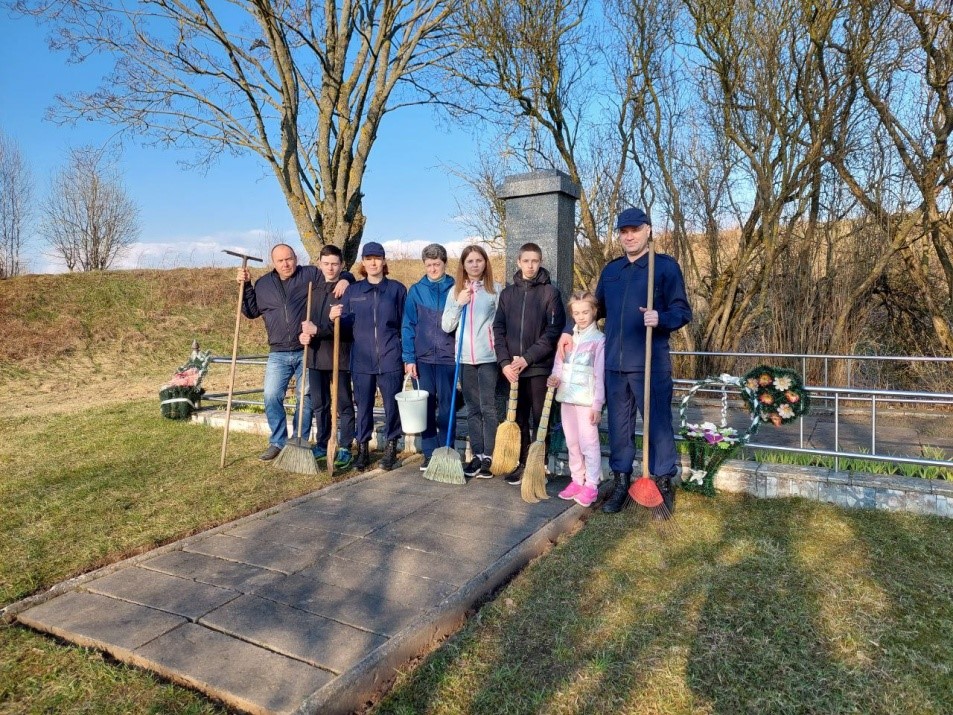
374	313
622	290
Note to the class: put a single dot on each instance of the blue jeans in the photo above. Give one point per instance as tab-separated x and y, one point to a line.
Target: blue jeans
279	370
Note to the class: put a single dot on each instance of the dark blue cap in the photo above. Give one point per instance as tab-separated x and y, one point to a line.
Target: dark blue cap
633	217
372	249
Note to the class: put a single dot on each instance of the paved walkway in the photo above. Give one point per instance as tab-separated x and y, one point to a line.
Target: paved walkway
310	606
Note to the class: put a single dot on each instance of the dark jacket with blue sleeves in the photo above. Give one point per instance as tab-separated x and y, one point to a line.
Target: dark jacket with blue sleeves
282	304
423	337
321	353
622	290
375	312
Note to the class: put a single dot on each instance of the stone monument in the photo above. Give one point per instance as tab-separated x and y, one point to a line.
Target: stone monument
541	208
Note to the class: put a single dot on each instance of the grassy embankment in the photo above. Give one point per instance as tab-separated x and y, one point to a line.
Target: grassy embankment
759	606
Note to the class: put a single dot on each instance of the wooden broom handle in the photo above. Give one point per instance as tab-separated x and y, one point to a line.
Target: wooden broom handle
647	389
335	366
304	370
231	377
511	405
544	416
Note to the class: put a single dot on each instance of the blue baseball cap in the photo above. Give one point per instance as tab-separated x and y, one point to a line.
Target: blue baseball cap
632	217
372	249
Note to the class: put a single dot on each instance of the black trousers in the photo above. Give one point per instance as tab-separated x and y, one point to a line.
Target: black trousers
529	410
320	384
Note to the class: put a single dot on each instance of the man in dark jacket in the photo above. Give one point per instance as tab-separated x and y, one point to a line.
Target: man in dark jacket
280	297
529	319
428	351
622	293
319	334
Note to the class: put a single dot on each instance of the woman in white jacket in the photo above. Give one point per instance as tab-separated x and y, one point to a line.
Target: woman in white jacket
474	290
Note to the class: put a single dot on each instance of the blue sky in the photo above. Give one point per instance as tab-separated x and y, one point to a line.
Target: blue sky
188	216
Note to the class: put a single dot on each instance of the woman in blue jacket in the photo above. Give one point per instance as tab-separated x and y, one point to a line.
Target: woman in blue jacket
428	350
374	308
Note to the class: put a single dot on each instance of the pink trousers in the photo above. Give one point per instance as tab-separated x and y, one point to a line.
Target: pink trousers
582	440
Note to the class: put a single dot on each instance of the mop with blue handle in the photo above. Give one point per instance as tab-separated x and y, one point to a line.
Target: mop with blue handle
445	465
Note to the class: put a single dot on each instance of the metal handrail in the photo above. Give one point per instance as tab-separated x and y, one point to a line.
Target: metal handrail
820	393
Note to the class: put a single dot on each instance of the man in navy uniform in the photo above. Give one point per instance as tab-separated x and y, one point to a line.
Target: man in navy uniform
622	293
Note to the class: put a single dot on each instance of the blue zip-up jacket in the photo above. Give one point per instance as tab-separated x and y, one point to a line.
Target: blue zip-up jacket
423	337
622	289
374	313
282	304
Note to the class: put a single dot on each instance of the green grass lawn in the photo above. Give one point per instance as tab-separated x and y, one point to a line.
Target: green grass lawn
757	606
773	606
83	489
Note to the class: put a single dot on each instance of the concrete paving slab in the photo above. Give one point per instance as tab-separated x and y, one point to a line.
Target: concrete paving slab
212	570
311	605
265	554
243	675
431	535
348	521
408	589
312	539
96	621
298	634
354	608
172	594
449	568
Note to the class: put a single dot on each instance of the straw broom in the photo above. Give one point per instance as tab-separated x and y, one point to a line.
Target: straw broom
296	455
533	486
506	449
445	465
333	439
644	491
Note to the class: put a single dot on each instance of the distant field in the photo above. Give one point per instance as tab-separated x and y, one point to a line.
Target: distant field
117	335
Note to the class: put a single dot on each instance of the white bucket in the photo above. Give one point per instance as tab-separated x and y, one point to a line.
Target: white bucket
412	406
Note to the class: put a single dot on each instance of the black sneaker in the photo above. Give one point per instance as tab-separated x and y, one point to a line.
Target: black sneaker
424	464
515	477
473	468
485	473
270	453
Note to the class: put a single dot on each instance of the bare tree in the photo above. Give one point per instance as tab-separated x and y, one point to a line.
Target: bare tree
303	84
88	219
481	209
16	194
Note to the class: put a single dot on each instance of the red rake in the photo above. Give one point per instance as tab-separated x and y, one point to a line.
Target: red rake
644	491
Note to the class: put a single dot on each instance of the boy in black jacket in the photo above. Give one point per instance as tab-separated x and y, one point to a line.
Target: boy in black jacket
321	360
529	320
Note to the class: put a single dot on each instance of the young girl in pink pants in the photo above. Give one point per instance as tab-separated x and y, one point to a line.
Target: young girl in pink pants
581	390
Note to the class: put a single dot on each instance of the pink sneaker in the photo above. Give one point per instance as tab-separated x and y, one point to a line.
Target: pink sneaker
586	495
571	491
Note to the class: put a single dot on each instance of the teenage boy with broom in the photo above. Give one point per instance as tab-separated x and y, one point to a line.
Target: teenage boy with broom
529	319
319	333
280	297
622	293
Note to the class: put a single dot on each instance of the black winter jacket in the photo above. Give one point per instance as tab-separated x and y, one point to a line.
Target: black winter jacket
529	320
282	304
321	349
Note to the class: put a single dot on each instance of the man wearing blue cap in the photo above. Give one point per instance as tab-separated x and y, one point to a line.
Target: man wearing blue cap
622	293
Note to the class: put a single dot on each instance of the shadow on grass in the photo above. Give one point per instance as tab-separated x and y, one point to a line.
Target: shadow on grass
759	606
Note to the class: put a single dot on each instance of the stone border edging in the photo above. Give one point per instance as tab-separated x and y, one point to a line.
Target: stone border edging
847	489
